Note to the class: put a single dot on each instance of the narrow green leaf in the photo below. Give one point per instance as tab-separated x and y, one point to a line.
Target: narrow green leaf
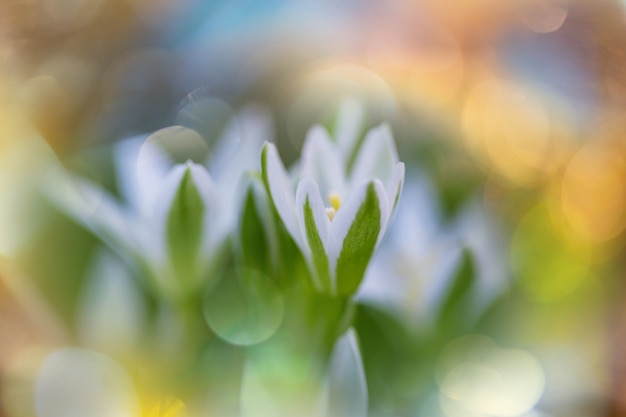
453	306
254	243
359	244
320	259
184	227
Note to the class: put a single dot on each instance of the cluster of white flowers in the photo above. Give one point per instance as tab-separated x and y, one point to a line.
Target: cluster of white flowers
241	220
177	222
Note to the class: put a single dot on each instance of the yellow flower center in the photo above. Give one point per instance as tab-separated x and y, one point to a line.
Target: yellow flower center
168	407
335	203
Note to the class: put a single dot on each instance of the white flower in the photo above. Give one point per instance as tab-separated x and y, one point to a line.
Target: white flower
111	310
78	382
335	216
415	270
176	218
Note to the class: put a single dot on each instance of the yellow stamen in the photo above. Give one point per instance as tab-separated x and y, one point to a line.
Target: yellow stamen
334	200
330	212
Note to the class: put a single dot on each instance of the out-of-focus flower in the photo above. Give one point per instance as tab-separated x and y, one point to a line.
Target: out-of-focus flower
111	313
418	264
77	382
337	216
177	217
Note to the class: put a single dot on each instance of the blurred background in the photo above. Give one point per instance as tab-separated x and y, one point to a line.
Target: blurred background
517	106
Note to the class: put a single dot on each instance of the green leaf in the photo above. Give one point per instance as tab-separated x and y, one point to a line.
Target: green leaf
454	305
185	227
359	244
257	231
318	252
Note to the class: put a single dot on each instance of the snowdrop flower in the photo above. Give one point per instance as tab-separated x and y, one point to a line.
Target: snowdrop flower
419	261
177	217
336	216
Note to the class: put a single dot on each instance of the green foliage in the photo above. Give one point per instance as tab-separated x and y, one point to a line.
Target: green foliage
184	228
255	244
456	305
320	259
358	245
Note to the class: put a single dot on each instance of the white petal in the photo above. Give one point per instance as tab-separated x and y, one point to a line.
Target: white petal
281	191
397	181
307	189
346	214
155	236
418	217
322	161
237	153
382	285
350	119
377	158
215	230
239	146
93	207
346	381
140	168
393	193
111	313
445	259
478	233
152	166
79	383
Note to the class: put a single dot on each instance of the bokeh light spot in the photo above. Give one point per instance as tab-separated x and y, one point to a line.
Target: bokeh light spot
480	379
549	263
509	128
245	309
543	16
594	193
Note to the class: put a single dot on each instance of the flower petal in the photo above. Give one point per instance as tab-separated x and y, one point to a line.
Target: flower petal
141	166
314	226
214	229
346	383
393	194
154	243
157	156
238	154
76	382
397	181
322	161
376	158
355	233
92	207
112	311
349	122
281	190
239	146
475	229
